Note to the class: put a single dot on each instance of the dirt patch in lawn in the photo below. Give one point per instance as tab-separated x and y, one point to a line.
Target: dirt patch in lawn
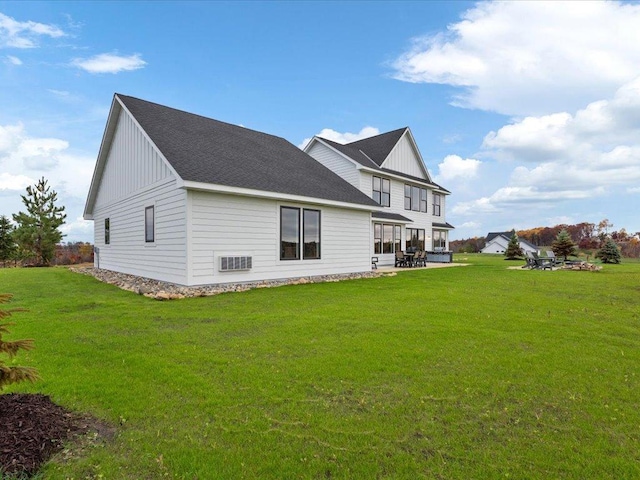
34	429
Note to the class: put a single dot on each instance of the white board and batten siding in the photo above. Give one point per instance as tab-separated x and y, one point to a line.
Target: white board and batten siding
224	225
136	177
335	162
404	158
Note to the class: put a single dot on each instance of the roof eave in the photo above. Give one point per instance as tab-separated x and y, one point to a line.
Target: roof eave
248	192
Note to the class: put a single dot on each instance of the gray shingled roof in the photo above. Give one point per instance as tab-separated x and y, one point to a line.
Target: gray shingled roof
204	150
371	152
390	216
443	225
379	147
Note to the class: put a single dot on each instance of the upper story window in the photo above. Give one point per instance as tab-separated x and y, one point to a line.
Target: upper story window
382	191
415	198
437	201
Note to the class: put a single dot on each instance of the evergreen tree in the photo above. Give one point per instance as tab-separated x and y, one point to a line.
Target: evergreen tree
10	374
37	233
609	253
513	248
7	243
563	245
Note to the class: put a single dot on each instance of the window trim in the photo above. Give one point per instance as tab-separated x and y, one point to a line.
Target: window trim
409	233
304	234
384	191
150	238
378	238
442	239
297	251
437	205
421	195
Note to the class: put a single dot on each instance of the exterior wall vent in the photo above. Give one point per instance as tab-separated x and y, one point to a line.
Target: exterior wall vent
233	264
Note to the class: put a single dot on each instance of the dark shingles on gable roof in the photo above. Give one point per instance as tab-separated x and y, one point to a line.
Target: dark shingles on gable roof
391	216
204	150
379	147
352	153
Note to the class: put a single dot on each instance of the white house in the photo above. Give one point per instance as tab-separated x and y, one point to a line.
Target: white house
187	199
497	242
390	169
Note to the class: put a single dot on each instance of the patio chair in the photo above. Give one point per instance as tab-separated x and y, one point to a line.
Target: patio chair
554	260
401	259
421	259
530	259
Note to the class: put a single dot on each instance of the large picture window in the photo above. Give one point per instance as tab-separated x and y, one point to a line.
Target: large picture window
415	239
149	225
437	200
386	238
415	198
311	234
382	191
291	230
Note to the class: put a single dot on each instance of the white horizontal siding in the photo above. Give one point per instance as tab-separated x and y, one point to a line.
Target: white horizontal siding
164	259
404	158
132	164
335	162
228	225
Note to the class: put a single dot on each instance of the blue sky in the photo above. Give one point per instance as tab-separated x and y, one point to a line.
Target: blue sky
528	112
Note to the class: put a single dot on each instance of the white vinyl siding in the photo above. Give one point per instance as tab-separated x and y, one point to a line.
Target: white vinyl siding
136	177
132	163
337	163
404	158
229	225
165	258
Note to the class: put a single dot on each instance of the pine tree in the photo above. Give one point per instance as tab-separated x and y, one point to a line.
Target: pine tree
7	243
609	253
10	374
37	233
513	248
563	245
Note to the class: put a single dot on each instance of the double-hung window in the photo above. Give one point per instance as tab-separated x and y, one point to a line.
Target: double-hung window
291	229
437	201
415	198
382	191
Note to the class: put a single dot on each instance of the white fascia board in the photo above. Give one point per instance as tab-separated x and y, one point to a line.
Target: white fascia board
105	145
385	173
390	220
248	192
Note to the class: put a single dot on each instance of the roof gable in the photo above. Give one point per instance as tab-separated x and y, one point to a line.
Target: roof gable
378	147
207	151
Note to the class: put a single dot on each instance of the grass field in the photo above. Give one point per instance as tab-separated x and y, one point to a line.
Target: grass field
456	373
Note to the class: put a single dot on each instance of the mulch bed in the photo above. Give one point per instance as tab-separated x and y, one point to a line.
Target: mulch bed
33	428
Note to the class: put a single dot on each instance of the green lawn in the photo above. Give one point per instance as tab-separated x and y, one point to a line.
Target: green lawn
456	373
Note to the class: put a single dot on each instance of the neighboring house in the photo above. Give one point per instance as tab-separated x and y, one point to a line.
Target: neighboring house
390	169
186	199
497	242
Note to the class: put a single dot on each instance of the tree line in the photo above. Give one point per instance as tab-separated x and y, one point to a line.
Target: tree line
34	237
588	237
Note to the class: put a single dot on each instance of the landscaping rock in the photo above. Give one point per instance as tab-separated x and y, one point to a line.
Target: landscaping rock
170	291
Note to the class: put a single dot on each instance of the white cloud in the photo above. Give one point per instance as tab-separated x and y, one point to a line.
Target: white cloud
14	182
11	60
17	34
342	138
109	63
530	58
78	228
455	167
